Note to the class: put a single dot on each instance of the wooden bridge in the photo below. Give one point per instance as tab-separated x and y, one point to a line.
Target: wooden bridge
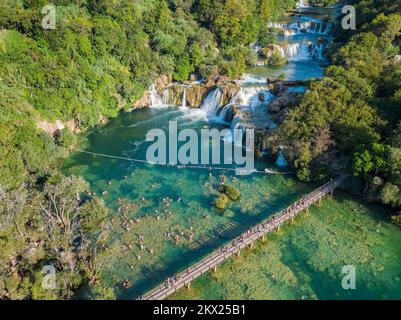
247	239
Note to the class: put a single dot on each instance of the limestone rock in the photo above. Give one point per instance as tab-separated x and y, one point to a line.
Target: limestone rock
288	100
144	101
196	94
163	80
51	128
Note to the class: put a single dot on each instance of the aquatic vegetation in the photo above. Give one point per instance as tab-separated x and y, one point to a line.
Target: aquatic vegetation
305	259
230	191
221	201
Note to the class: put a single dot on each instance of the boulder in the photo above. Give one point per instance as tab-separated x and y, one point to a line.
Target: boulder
229	90
163	80
288	100
280	116
196	94
144	101
175	94
277	88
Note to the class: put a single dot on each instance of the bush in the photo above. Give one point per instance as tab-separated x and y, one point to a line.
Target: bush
396	219
67	138
221	201
231	192
276	59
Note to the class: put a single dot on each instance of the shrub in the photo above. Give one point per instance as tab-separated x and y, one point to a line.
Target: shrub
221	201
277	60
67	138
231	192
396	219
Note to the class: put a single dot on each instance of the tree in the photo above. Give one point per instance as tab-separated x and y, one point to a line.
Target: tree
391	195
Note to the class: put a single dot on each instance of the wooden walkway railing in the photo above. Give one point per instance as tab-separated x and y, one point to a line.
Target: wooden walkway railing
211	261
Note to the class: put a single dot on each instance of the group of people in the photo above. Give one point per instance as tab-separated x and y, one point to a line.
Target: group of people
171	282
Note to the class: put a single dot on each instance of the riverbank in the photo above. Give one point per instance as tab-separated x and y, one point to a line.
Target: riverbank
305	258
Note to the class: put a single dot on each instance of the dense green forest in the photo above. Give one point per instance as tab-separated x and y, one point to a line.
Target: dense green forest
100	59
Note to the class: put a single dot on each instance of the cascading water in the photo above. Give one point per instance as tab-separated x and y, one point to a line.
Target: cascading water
296	51
308	25
281	162
247	96
222	115
184	99
302	51
166	97
156	100
212	103
237	131
302	4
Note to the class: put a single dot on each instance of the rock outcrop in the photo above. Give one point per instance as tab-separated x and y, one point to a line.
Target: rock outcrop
52	128
196	94
144	101
286	100
163	80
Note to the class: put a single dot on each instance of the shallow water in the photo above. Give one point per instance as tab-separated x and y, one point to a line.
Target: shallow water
192	192
305	259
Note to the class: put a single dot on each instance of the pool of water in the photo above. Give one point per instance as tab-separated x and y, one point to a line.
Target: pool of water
190	214
295	70
305	260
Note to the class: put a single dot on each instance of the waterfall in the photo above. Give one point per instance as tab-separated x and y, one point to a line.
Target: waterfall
212	103
303	51
281	162
296	51
166	97
155	99
237	130
184	99
308	25
247	96
223	113
302	4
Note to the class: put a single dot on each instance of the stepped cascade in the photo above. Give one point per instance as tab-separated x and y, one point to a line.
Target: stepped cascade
302	4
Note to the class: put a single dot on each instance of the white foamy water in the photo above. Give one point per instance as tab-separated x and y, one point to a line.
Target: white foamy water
251	79
184	99
302	4
212	102
157	101
306	25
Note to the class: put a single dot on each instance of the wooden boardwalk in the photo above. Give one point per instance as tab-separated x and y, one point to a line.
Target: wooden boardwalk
247	239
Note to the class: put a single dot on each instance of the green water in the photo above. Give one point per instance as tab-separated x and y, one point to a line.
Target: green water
305	259
189	213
